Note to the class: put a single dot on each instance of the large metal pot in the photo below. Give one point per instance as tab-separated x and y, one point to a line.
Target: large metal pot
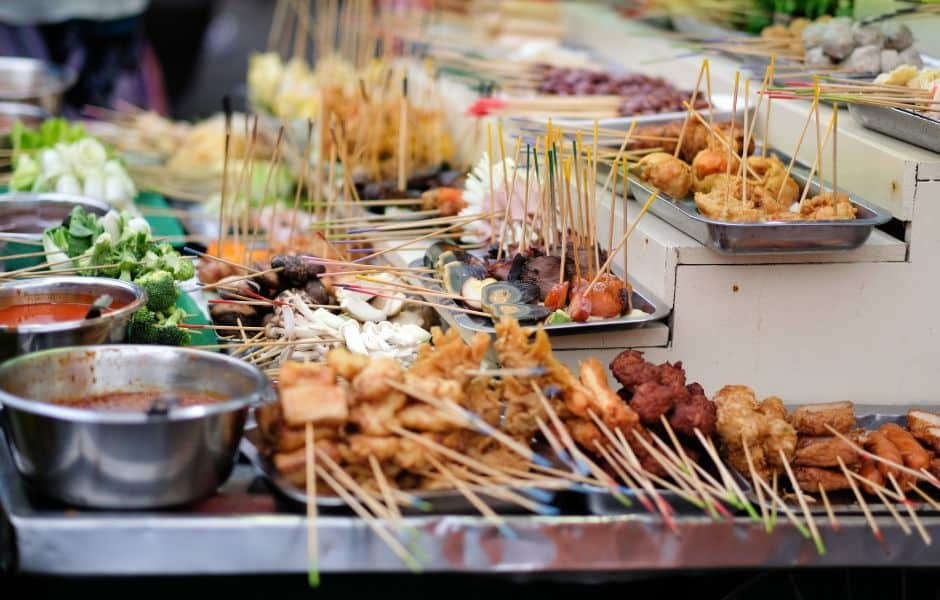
34	82
110	327
126	460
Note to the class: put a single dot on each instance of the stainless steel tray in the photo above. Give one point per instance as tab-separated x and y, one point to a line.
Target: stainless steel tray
241	531
449	502
768	236
904	125
642	299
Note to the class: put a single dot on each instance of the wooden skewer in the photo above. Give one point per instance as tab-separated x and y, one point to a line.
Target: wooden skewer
471	496
832	516
664	509
313	575
16	240
933	503
612	253
373	523
229	281
911	512
810	521
756	479
861	502
737	496
893	511
685	123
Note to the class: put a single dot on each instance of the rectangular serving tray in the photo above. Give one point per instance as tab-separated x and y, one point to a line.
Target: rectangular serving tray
766	236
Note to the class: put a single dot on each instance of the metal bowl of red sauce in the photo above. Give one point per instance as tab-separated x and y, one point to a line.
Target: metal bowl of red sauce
49	312
125	426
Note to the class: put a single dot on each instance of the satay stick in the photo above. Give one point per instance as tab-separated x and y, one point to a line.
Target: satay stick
933	503
579	460
313	574
688	118
833	522
776	500
861	502
471	497
489	166
894	513
734	112
756	480
686	461
503	493
737	496
774	486
385	490
680	475
227	109
626	467
612	253
507	213
820	547
911	511
664	508
373	523
925	476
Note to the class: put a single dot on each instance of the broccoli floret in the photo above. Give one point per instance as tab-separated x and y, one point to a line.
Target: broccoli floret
148	327
161	290
142	328
169	333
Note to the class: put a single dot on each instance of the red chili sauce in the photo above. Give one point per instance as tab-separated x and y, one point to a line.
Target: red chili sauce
42	313
139	401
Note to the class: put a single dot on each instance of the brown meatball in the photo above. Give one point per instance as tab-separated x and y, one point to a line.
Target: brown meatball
698	412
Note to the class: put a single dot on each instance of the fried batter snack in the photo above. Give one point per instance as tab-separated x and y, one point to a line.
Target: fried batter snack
925	426
309	393
812	419
811	478
825	452
741	420
667	173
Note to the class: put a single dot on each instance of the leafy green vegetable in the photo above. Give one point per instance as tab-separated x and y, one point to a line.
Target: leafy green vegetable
25	174
121	246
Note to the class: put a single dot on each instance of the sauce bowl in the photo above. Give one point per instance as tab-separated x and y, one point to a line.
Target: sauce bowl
97	458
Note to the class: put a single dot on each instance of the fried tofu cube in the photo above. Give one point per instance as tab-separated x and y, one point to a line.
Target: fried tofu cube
309	394
812	419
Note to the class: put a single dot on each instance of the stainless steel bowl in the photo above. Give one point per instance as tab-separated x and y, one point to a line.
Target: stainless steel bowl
126	460
33	81
108	328
27	214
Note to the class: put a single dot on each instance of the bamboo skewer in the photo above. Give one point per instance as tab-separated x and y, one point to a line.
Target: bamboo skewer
911	512
834	523
757	481
313	575
810	521
861	502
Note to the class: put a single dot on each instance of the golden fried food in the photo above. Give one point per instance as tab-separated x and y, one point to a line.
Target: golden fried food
773	177
309	394
813	419
828	207
811	478
814	451
925	426
666	173
741	420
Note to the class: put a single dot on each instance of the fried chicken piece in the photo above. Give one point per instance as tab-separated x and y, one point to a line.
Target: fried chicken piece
773	176
741	420
666	173
607	404
826	207
631	369
811	478
772	406
384	448
424	417
448	356
694	412
711	161
585	433
522	409
651	400
814	451
371	382
812	419
309	393
377	418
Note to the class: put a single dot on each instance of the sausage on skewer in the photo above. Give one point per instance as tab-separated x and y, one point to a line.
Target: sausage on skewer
911	451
